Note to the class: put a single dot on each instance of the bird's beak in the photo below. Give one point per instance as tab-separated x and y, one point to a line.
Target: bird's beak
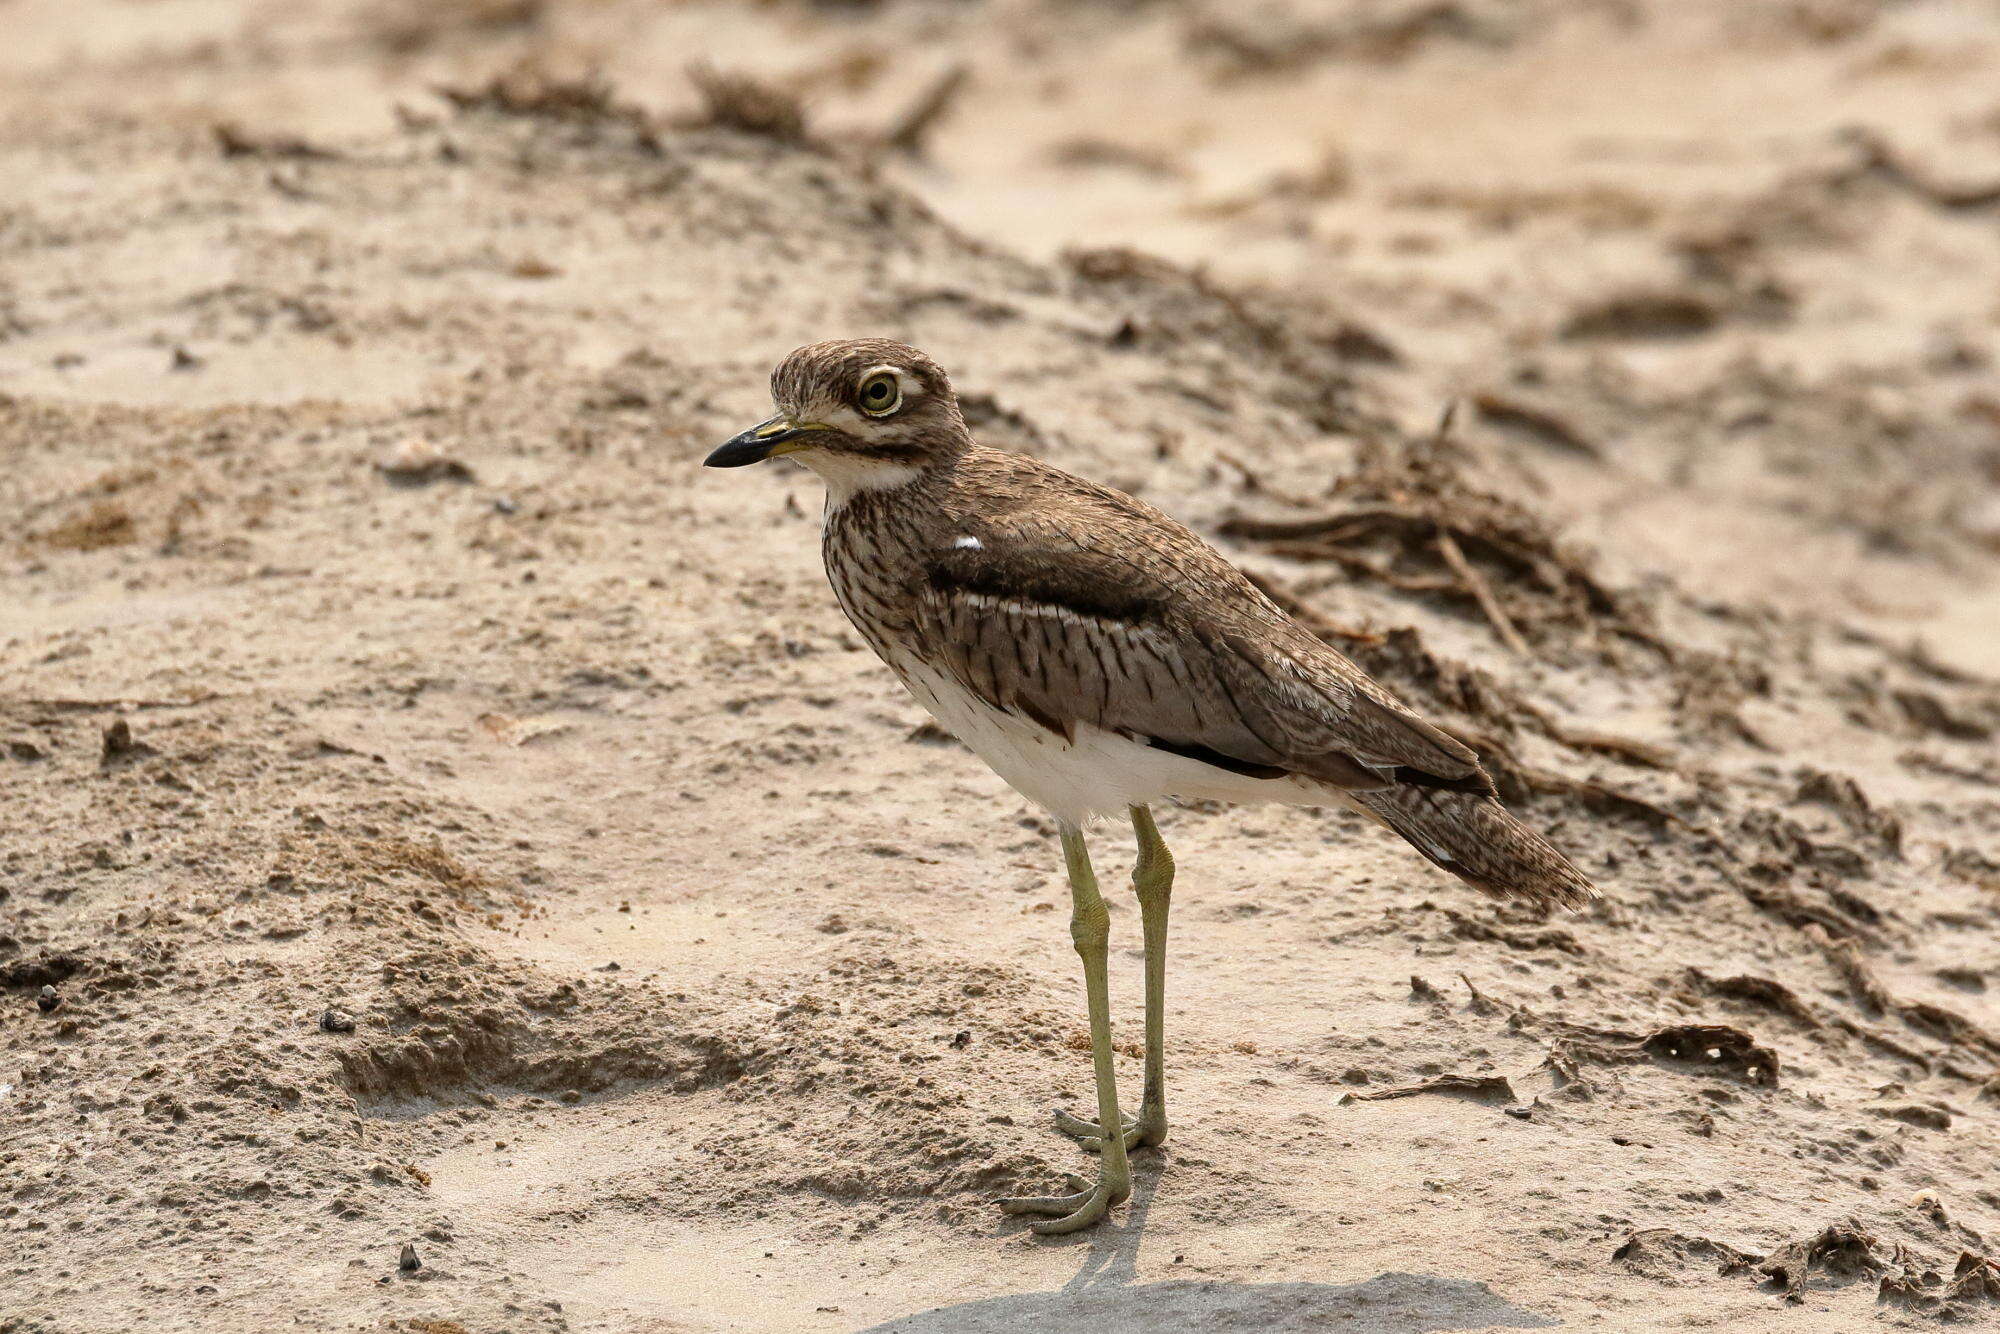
762	441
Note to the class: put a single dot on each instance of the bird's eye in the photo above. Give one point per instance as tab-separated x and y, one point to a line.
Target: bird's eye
880	394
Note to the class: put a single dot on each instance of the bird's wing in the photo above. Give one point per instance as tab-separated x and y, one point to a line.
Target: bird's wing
1129	622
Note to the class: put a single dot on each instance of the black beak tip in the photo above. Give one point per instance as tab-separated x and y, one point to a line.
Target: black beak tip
738	453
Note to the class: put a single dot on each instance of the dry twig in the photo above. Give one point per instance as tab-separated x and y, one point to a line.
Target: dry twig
907	133
1482	592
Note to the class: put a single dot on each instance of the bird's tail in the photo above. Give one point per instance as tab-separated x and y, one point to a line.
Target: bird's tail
1474	838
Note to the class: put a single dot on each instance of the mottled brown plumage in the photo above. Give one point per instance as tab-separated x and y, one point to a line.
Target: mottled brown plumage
1069	604
1098	655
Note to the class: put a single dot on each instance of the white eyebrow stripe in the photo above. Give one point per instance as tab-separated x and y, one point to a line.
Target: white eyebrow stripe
906	382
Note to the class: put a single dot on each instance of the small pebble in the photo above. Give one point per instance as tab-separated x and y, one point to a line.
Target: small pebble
1519	1113
408	1262
333	1021
47	1000
419	463
119	743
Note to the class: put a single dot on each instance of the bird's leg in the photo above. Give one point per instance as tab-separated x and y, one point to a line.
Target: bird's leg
1153	880
1090	928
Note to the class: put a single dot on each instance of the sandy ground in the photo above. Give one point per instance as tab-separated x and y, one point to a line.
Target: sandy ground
434	813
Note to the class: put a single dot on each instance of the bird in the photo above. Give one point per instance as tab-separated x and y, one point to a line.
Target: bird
1102	658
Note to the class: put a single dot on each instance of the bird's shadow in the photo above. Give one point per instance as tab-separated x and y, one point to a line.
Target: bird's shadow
1104	1299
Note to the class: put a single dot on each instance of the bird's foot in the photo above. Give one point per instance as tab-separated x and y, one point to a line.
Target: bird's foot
1072	1213
1146	1130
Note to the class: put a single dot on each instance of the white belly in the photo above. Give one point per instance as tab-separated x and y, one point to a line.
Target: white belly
1097	773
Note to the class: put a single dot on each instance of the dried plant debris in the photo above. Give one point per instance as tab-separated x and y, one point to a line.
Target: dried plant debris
1934	1021
1539	938
1974	867
1840	1251
1644	314
1763	992
406	30
105	524
1761	884
530	91
1413	523
1478	1088
1726	278
1543	424
1207	328
1662	1253
1844	796
1241	41
1928	713
733	100
1838	1255
1718	1049
1093	151
236	141
1876	157
1929	1116
912	127
540	112
1974	1278
1589	794
1713	1047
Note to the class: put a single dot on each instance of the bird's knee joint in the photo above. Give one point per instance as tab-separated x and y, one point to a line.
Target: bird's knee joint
1154	880
1090	927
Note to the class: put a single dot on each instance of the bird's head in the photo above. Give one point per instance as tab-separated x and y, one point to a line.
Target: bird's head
863	413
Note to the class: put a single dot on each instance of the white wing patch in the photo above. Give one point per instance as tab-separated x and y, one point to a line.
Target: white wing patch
967	543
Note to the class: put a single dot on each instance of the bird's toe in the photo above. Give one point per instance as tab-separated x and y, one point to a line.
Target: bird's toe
1080	1127
1049	1204
1068	1213
1139	1130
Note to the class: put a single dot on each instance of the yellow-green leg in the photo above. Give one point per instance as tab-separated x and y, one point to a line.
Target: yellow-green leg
1090	928
1153	880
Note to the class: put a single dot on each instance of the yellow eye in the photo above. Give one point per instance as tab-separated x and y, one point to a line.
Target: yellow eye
879	394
